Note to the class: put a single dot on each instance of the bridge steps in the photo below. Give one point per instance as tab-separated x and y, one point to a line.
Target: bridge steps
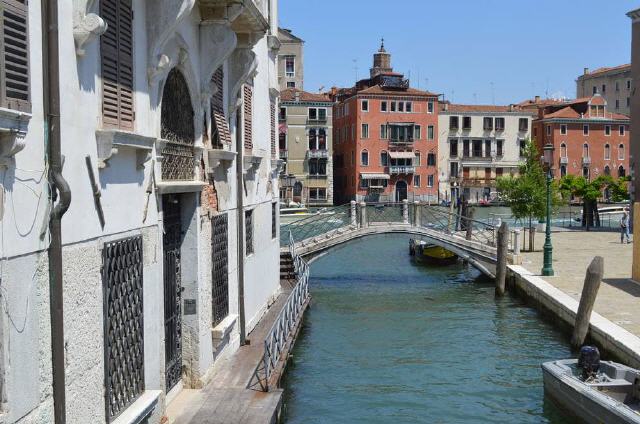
287	272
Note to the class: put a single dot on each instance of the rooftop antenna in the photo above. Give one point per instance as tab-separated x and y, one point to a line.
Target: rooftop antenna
418	78
426	83
546	91
452	93
355	66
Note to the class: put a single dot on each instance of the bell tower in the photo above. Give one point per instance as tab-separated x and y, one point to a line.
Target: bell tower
381	61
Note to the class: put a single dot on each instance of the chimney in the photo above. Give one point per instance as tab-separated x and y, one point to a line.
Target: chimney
537	99
297	96
511	108
446	106
586	71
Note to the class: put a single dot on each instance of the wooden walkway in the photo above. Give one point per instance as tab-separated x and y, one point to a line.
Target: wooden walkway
234	395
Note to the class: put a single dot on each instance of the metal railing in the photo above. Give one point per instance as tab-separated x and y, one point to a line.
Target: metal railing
277	342
318	154
401	169
317	223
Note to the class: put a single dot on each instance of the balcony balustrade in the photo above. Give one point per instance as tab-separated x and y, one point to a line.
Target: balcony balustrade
283	154
401	169
586	160
564	160
318	154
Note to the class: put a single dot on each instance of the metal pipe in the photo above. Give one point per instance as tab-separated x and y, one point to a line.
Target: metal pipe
240	225
61	192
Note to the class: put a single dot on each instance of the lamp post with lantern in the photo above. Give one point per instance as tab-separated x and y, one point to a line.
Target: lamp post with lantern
547	159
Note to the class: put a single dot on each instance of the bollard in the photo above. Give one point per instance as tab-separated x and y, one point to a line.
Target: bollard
363	215
354	216
501	263
592	281
405	211
416	214
516	242
469	219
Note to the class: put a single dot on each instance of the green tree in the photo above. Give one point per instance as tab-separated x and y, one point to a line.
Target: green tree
526	193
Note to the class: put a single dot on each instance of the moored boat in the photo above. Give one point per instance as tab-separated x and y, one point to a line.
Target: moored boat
594	391
430	253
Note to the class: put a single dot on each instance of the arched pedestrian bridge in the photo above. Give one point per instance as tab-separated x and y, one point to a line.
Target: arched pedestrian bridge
472	240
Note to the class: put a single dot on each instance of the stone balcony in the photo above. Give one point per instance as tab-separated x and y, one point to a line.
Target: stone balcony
318	154
586	160
401	169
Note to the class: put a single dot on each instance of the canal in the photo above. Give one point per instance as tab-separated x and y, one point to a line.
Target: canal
389	341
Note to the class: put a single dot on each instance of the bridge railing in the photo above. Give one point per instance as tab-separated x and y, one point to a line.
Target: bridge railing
441	219
278	339
317	223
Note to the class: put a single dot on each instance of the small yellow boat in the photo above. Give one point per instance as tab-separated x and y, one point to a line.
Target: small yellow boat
430	253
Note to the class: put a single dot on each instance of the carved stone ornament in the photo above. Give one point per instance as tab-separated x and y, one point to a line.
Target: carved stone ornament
243	63
87	26
217	42
13	130
108	142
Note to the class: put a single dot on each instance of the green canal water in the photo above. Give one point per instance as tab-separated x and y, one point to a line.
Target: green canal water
390	341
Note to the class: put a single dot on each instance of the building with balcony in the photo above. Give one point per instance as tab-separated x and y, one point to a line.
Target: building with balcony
167	201
477	144
290	60
305	145
385	146
589	139
613	83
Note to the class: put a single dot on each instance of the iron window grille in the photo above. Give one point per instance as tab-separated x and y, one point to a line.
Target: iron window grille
274	220
220	267
248	231
122	281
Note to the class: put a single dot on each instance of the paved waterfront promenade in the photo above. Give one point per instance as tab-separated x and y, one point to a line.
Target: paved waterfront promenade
618	298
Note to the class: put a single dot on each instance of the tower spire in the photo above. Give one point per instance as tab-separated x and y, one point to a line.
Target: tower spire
382	45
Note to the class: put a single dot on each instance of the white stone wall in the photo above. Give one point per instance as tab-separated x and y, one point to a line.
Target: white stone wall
25	342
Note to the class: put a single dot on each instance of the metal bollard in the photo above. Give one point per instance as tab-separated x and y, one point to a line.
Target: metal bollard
363	215
354	217
416	214
405	211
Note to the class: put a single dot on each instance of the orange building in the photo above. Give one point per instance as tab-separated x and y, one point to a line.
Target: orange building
385	138
588	139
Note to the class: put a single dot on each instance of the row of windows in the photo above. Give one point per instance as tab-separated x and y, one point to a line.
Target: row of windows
313	113
401	133
585	151
386	160
586	171
585	129
480	148
603	90
385	106
488	123
381	183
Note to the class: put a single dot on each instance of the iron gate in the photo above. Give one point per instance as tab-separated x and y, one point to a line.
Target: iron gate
123	324
219	268
171	242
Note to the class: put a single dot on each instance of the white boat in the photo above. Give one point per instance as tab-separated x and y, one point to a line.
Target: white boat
612	210
594	391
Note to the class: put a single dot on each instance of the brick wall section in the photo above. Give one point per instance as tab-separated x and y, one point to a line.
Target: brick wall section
248	117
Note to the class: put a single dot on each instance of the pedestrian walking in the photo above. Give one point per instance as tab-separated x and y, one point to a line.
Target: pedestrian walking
624	226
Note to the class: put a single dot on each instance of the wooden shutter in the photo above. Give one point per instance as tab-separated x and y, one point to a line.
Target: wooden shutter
221	131
116	48
273	130
14	55
248	117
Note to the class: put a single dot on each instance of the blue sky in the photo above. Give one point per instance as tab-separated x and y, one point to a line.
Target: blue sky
463	48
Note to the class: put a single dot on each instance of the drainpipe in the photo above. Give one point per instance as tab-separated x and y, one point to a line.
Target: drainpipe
240	225
61	192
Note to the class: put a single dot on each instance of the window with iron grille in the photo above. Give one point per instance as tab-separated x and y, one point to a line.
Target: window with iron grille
248	231
123	324
274	220
220	127
116	50
219	268
14	56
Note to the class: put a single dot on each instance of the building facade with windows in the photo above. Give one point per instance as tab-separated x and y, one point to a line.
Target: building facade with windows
170	242
385	145
290	60
305	146
477	145
588	138
613	83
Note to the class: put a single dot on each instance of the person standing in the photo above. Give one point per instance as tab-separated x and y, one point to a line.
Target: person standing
624	226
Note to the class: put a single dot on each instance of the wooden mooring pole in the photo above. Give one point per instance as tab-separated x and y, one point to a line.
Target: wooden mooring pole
501	263
588	298
470	212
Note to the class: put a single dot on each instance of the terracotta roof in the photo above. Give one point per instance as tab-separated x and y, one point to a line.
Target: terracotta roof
541	102
606	69
289	95
570	113
376	89
481	108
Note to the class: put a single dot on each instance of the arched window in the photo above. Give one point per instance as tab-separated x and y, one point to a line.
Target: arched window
607	170
621	152
313	139
621	171
563	170
607	152
384	158
364	158
585	150
563	150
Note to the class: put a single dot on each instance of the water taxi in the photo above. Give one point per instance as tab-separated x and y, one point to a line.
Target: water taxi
430	253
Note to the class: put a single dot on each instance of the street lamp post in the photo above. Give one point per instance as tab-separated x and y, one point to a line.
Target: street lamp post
547	267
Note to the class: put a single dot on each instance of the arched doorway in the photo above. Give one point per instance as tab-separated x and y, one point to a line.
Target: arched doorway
401	190
177	128
621	171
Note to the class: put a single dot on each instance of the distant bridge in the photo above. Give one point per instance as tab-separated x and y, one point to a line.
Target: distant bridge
472	240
